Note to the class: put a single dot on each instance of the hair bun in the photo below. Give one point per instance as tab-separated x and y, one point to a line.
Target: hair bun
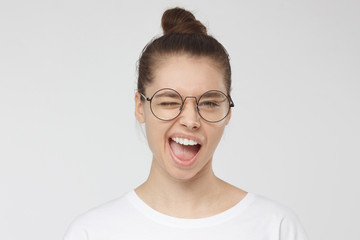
179	20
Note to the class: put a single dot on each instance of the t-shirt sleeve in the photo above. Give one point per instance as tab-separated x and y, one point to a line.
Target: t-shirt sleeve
291	228
76	232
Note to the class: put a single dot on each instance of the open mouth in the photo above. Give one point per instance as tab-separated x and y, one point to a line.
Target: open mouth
184	151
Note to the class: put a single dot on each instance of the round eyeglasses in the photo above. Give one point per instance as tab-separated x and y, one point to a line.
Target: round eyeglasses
213	106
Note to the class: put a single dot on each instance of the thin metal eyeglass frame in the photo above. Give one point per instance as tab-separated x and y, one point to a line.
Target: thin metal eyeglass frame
231	104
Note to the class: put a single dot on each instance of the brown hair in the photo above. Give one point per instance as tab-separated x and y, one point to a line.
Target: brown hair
183	34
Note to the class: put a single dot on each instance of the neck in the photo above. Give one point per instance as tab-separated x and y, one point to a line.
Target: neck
185	198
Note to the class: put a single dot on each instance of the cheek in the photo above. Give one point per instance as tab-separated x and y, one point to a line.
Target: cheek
150	135
155	134
216	134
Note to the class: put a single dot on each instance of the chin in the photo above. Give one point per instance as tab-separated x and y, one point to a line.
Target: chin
182	176
186	174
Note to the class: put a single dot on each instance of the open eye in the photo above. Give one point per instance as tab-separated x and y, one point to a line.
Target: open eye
212	101
209	104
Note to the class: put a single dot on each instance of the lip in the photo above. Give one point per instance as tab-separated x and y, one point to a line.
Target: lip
178	161
196	139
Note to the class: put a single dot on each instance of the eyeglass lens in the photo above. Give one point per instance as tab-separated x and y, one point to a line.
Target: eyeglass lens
213	106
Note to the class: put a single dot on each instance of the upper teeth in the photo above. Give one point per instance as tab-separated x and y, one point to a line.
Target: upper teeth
184	141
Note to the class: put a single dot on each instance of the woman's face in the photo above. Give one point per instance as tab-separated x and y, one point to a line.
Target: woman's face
189	76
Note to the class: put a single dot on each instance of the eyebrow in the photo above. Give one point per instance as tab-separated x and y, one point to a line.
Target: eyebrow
174	95
168	94
214	94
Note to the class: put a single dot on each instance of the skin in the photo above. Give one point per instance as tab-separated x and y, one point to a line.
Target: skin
193	191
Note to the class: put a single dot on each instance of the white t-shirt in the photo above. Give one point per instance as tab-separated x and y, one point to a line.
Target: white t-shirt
253	218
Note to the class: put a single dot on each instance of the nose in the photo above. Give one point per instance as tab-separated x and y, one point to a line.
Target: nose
189	116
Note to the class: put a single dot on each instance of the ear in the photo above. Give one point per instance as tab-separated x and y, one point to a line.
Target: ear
139	108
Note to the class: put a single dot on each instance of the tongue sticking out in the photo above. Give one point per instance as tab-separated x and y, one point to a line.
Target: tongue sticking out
184	152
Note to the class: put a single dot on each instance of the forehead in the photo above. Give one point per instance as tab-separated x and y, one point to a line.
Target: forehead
187	74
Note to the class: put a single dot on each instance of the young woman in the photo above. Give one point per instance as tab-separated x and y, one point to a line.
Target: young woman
184	101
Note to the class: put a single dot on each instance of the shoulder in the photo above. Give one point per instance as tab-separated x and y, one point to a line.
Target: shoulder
104	211
100	218
276	215
268	206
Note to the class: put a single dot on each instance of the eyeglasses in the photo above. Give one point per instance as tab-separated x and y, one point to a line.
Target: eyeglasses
213	106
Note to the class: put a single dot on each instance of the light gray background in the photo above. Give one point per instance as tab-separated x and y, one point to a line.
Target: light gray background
69	140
